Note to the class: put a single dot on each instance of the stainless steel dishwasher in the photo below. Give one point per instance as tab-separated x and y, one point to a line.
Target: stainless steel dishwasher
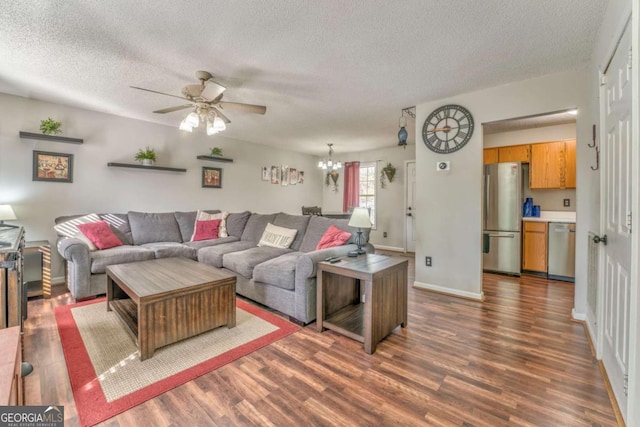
562	251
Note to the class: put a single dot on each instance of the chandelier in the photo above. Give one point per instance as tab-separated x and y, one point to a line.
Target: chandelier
204	114
402	133
329	163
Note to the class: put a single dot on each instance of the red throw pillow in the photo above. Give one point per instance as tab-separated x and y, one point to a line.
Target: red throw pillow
205	230
100	234
333	237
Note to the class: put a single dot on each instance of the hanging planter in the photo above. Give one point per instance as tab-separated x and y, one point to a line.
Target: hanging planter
387	174
332	178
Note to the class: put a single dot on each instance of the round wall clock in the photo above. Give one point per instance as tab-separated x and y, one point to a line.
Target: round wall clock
447	129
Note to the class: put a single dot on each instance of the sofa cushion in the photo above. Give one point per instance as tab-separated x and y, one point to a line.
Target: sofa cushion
186	221
171	249
277	237
154	227
299	222
118	255
318	225
211	242
280	271
236	223
255	226
243	262
119	224
212	255
67	226
100	234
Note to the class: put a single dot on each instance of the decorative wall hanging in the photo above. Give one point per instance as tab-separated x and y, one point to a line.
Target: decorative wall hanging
300	177
275	174
284	179
266	173
387	173
331	179
597	147
52	167
211	177
402	123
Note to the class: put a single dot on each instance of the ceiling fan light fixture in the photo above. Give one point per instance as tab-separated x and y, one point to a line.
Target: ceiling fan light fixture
211	129
193	119
186	126
219	124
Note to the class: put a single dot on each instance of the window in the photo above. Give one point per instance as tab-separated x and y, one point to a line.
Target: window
368	189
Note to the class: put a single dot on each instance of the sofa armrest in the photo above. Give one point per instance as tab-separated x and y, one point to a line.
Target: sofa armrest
74	250
306	266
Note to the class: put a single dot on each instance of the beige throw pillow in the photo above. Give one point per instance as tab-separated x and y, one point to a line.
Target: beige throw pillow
204	216
277	237
84	239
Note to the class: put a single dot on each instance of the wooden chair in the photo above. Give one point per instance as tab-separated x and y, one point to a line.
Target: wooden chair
312	210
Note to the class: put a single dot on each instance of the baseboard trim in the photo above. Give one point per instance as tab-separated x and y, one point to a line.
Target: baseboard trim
60	280
389	248
448	291
581	317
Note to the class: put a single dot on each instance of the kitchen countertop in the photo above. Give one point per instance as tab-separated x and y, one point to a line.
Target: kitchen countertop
553	216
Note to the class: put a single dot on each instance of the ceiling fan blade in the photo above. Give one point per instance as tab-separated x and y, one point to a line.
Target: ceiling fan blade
161	93
212	90
172	109
222	116
245	108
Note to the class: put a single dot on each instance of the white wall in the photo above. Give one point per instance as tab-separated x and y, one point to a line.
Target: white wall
390	201
98	188
449	229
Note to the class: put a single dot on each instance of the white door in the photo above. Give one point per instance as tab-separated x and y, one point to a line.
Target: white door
615	216
410	179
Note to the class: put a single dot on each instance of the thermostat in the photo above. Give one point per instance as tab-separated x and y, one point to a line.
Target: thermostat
443	166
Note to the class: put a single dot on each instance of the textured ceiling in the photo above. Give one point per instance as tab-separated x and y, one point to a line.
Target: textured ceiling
328	71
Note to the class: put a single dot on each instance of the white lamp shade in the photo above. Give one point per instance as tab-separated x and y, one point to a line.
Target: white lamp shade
6	213
193	119
186	126
360	218
219	124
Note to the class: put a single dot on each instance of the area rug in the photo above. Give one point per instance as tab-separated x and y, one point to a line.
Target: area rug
105	371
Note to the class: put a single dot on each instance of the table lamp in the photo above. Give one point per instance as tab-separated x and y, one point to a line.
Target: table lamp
7	213
360	219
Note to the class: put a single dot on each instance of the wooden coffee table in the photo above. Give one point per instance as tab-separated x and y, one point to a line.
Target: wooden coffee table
163	301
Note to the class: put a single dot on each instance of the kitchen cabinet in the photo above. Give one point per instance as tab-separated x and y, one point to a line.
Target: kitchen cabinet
490	155
553	165
514	153
534	246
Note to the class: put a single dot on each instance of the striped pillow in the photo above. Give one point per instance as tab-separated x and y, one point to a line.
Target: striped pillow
277	237
70	228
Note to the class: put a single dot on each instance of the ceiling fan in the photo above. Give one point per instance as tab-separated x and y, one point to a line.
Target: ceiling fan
206	100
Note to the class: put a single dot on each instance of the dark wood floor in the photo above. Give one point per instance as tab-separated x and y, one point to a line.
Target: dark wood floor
514	359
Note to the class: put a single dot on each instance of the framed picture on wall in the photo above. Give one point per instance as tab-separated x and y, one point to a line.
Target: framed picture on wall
266	173
275	174
52	167
293	176
211	177
300	177
285	176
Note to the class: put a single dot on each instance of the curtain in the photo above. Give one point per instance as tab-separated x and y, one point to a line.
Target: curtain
351	186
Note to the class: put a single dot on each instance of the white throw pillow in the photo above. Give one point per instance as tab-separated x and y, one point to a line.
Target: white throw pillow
204	216
277	237
70	229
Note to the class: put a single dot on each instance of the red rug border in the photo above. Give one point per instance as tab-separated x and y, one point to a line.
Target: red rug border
92	406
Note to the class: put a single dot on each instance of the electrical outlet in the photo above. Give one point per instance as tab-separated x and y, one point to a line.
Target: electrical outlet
427	261
566	202
384	234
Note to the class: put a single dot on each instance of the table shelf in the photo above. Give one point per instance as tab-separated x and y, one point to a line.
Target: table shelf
54	138
137	166
215	159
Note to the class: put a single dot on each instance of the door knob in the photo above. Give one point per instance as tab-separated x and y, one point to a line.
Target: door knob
598	239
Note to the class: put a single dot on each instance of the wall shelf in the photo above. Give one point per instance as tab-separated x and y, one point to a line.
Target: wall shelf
55	138
137	166
216	159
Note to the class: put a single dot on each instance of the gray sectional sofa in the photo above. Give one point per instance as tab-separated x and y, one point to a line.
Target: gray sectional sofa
282	279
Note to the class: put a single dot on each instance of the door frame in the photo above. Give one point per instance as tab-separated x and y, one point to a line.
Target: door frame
406	200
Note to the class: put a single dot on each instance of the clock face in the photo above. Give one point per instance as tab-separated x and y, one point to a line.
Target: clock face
447	129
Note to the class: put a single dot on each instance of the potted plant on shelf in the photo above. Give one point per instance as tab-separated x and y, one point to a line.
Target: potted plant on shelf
147	156
387	173
50	126
216	152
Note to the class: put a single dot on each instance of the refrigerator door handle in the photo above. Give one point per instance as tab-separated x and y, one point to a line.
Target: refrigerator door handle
486	195
506	236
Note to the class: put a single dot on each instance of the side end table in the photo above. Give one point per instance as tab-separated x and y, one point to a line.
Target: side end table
365	313
44	248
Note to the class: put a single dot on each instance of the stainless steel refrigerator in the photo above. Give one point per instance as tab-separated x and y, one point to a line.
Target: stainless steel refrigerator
502	218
